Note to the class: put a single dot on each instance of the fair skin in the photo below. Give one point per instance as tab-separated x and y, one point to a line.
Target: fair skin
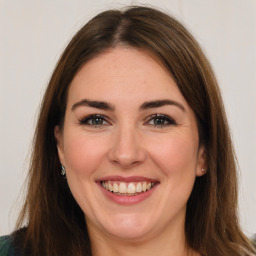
127	122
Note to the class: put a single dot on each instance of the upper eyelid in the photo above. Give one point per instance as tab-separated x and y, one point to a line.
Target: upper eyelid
171	120
160	116
92	115
88	117
107	119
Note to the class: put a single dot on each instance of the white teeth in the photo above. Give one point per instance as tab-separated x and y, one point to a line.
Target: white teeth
122	188
115	188
127	188
131	188
148	186
139	187
144	186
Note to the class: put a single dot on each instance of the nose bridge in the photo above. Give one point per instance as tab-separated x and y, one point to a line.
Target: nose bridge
126	149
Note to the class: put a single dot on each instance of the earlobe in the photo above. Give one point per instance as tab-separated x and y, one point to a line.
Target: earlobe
59	140
201	167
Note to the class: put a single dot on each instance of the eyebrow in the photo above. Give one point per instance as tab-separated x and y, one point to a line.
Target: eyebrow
161	103
146	105
94	104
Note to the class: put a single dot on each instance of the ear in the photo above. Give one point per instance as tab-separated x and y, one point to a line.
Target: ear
201	167
59	138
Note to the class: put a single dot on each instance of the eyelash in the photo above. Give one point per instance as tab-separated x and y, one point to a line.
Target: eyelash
87	119
164	120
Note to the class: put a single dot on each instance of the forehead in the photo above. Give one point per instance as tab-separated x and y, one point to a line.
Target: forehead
123	72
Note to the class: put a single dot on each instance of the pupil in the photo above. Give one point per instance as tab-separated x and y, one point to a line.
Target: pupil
97	121
159	121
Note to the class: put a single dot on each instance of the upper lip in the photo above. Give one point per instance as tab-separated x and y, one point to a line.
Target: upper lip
126	179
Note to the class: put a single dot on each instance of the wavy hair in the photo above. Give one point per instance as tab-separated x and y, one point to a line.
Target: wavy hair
55	224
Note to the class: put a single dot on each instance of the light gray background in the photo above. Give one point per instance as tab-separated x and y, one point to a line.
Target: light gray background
34	33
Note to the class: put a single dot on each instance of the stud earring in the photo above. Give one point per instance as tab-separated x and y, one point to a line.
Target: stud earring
203	170
63	171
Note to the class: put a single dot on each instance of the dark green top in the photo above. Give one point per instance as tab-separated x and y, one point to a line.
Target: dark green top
6	248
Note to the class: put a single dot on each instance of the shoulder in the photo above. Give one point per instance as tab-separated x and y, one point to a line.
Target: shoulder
6	248
12	245
9	245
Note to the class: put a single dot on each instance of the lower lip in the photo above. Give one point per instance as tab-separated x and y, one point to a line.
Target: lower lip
127	200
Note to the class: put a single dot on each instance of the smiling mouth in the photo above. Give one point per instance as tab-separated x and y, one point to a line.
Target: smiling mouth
127	189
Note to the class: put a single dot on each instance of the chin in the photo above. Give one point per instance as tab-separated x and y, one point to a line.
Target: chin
128	228
128	234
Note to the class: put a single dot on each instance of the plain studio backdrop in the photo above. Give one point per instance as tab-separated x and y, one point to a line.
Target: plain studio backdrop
33	33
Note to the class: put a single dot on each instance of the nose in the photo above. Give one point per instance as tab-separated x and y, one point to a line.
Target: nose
127	148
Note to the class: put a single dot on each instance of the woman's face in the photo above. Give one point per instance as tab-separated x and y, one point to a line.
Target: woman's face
130	146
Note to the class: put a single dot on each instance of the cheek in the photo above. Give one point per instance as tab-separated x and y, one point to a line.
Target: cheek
83	154
176	154
176	158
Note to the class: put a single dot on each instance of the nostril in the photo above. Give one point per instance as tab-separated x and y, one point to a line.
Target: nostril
125	163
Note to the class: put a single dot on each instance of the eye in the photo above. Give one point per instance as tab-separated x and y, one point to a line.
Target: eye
94	120
160	120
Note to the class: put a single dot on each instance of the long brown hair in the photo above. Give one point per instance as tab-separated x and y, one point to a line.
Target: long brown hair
55	223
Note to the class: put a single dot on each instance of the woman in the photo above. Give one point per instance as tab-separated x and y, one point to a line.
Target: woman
132	152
